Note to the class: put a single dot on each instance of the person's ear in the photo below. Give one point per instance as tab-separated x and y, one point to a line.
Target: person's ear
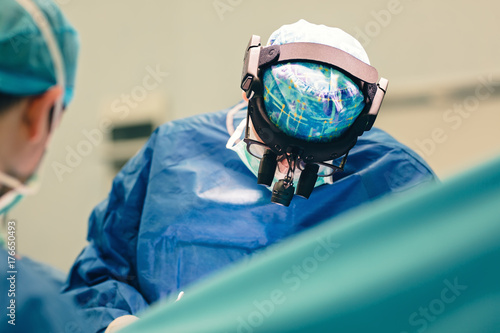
36	118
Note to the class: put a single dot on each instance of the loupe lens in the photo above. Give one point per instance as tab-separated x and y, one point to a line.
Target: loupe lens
282	195
307	180
267	168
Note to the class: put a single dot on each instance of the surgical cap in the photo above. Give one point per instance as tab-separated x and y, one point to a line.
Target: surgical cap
310	101
26	65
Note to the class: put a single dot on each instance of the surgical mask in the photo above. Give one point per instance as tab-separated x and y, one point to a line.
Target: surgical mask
18	189
252	163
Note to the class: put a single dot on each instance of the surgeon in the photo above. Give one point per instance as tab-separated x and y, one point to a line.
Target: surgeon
213	189
38	55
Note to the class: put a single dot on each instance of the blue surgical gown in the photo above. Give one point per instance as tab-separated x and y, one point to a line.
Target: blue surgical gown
31	299
185	206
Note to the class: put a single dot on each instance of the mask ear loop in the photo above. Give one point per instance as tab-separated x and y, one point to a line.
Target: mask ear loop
57	60
236	135
17	185
230	116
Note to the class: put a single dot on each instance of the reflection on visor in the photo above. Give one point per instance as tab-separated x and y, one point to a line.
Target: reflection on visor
257	150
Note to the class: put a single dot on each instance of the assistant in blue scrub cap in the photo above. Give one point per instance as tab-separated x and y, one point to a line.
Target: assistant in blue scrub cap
31	299
26	66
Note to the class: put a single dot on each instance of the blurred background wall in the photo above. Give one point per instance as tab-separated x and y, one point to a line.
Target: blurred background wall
173	59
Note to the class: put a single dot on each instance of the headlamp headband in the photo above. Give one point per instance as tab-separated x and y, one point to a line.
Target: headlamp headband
258	58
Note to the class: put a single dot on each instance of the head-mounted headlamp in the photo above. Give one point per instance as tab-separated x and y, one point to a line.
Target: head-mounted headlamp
300	152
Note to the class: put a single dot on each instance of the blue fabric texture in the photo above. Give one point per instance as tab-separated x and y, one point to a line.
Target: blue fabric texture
39	304
309	101
185	206
426	262
26	66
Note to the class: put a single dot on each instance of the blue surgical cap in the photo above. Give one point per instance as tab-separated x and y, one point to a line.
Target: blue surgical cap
310	101
26	65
